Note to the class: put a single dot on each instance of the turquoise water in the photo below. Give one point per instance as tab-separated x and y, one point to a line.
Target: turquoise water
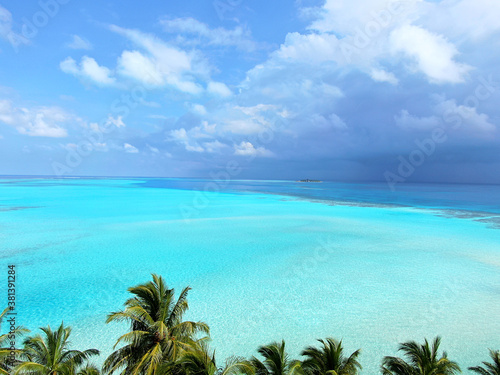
266	260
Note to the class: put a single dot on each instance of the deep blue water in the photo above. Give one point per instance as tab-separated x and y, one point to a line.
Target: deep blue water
448	196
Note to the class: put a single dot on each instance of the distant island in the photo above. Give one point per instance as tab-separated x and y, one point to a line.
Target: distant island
307	180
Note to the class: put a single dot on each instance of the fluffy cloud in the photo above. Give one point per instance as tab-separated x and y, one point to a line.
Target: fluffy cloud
116	121
249	120
88	69
35	122
134	64
362	34
153	149
199	109
248	149
160	64
467	19
197	139
310	48
214	146
433	54
238	37
407	121
155	63
345	17
465	118
130	149
181	136
218	89
107	124
77	42
448	114
381	75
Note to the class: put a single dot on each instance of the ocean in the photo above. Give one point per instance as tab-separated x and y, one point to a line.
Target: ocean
266	260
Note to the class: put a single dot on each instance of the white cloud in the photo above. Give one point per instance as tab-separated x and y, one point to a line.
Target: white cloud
204	131
134	64
345	16
116	121
248	149
108	124
35	122
407	121
88	69
181	136
381	75
310	48
199	109
363	34
214	146
153	63
160	64
245	126
219	89
433	54
153	149
447	113
130	149
470	19
191	139
77	42
256	110
469	119
238	37
248	120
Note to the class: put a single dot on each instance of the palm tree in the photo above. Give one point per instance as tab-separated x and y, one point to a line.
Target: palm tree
89	369
50	355
6	361
157	332
276	361
489	368
202	362
423	360
330	359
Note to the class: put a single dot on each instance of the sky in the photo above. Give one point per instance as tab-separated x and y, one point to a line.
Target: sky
345	90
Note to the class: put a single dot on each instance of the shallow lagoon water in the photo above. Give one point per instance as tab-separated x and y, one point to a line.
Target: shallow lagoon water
266	260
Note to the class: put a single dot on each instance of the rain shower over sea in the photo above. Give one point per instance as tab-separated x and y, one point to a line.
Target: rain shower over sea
266	260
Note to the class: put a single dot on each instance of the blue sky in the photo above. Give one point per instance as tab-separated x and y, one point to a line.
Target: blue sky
365	90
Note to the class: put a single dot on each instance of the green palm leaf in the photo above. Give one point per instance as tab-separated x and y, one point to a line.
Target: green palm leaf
421	359
492	368
330	359
50	354
158	335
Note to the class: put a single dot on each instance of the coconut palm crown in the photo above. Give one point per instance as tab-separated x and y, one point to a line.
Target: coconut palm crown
422	360
276	361
329	359
488	368
157	334
50	354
